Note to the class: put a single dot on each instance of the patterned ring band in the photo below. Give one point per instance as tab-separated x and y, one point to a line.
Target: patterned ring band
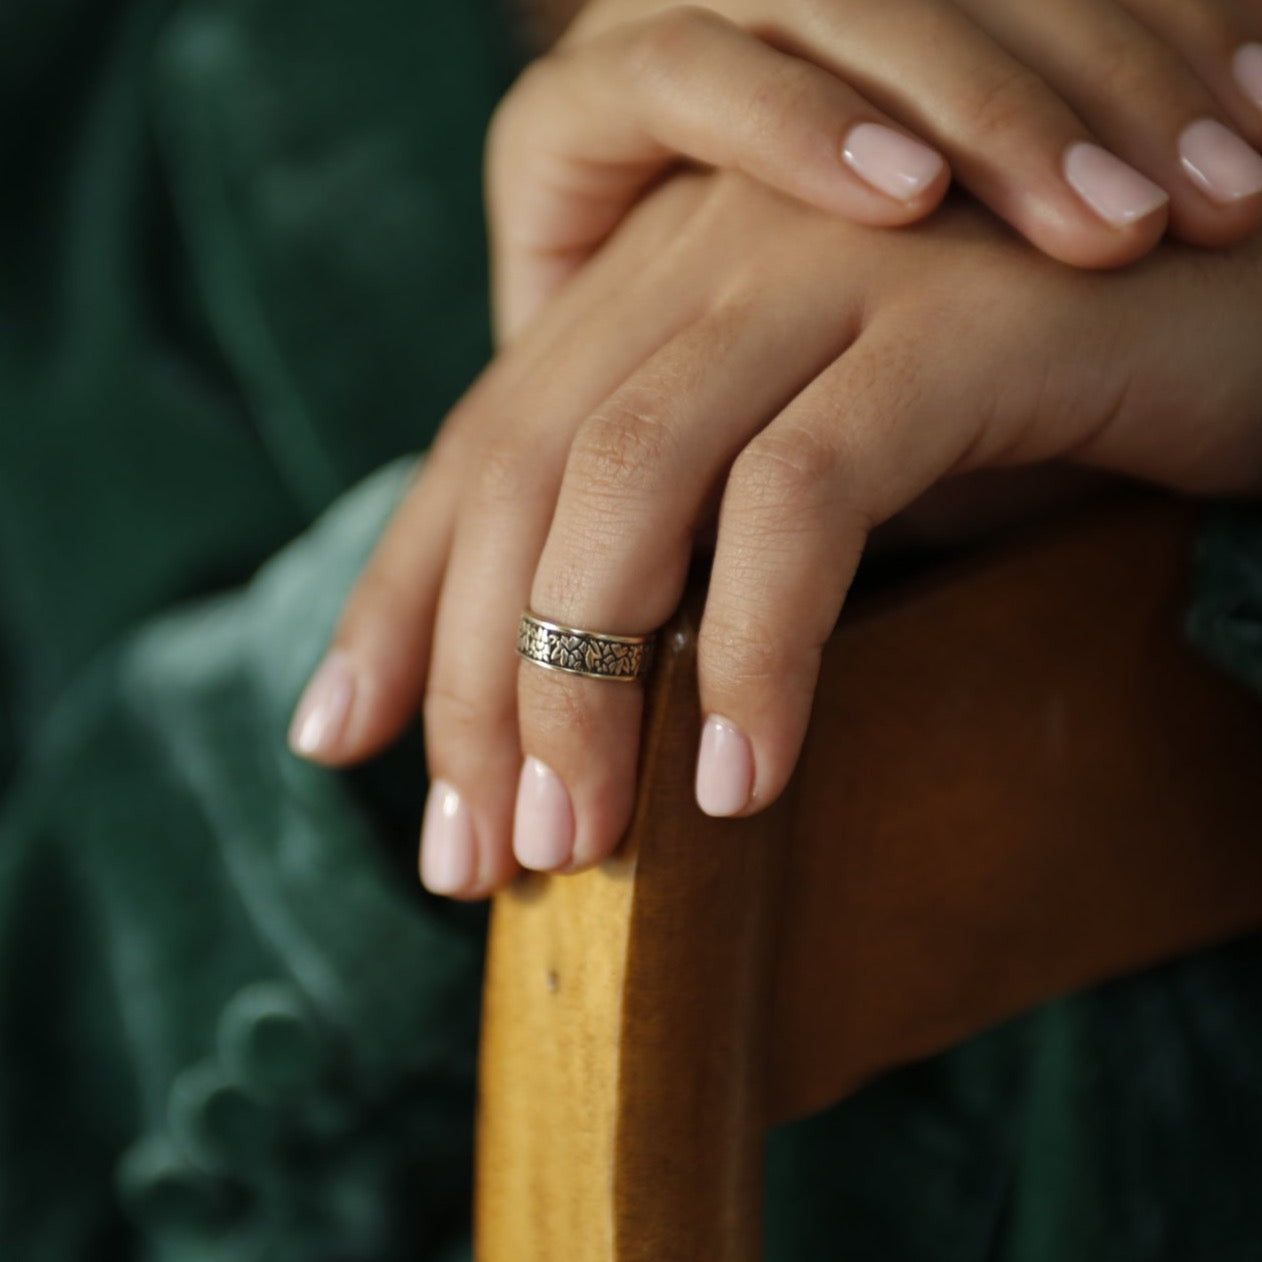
624	658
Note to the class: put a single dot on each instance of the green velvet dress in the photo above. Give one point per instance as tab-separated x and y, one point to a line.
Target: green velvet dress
241	278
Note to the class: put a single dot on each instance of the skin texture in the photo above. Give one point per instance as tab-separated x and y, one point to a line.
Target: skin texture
1002	90
736	365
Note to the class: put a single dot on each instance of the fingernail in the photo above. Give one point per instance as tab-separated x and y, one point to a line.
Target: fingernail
725	768
892	163
1115	191
543	823
1247	67
447	857
1220	162
321	714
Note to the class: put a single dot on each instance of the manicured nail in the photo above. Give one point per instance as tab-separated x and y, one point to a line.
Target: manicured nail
543	823
317	725
447	857
1247	67
725	768
1115	191
1220	162
894	164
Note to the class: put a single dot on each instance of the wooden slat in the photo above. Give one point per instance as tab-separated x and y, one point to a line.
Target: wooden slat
621	1079
1017	781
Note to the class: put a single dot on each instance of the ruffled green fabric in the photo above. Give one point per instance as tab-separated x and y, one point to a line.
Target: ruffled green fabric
234	1027
241	277
241	267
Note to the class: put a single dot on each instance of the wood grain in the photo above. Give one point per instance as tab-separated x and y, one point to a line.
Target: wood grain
1018	780
621	1081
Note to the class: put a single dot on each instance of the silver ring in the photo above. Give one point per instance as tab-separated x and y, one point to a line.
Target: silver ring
622	658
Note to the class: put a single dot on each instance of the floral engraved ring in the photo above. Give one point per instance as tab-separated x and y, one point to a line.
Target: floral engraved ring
624	658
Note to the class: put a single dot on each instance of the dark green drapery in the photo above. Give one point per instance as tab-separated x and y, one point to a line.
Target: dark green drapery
241	277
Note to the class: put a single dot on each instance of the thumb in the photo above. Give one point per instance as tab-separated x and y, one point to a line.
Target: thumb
588	128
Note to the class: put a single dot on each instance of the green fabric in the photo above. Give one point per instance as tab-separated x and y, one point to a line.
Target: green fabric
241	267
230	1017
241	277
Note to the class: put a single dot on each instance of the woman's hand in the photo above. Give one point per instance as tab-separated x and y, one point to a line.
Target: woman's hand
733	355
1083	123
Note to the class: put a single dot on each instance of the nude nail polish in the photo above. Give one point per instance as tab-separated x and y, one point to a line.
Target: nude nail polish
1222	165
1117	193
1246	65
543	822
447	845
893	164
321	714
725	768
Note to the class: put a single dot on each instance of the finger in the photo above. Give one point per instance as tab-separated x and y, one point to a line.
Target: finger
1222	42
888	420
1144	99
371	680
1246	70
368	684
638	478
1009	137
471	702
586	129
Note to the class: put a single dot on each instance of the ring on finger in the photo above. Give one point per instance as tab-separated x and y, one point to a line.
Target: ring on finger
594	654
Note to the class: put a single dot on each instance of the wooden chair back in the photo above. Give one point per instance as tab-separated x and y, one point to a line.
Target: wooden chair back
1018	781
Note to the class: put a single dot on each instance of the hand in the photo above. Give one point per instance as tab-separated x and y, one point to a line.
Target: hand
1034	103
733	354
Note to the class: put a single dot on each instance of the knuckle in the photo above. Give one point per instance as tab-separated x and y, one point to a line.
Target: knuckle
570	584
738	656
780	99
782	468
1142	70
621	451
380	599
504	475
750	658
997	105
456	720
512	110
554	712
535	79
668	39
500	125
511	143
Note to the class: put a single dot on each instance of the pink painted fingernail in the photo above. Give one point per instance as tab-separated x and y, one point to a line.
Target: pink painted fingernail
543	823
321	714
1247	67
1225	168
894	164
725	768
447	847
1116	192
